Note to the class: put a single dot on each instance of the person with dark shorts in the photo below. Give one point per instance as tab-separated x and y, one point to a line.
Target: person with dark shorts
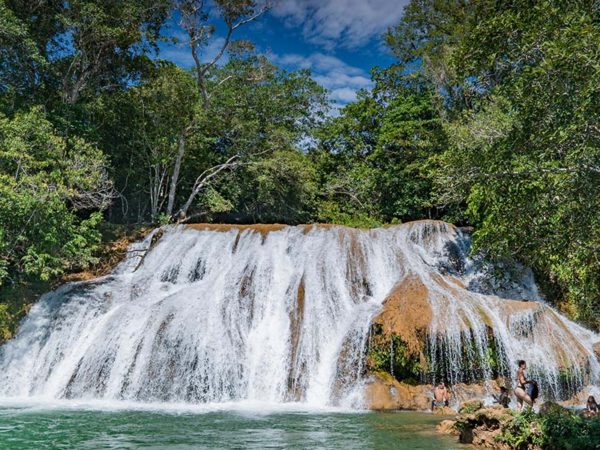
440	396
522	388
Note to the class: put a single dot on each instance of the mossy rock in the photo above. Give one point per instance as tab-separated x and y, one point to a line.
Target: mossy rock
470	407
552	408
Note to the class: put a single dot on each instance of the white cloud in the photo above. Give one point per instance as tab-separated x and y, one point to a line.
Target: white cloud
343	95
346	23
341	79
336	79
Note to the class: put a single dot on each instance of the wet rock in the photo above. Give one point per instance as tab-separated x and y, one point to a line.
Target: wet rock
443	411
596	348
465	393
384	393
482	427
470	407
447	427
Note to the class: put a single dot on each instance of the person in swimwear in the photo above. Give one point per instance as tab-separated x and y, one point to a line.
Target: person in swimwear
440	396
521	388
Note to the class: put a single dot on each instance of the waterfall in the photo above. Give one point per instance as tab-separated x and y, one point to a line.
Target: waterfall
216	314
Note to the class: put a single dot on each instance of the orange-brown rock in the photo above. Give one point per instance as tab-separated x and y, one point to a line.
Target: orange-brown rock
262	228
407	312
596	348
384	393
468	393
447	427
443	411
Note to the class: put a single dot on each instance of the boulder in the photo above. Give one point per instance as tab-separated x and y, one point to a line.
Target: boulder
384	393
407	313
482	427
551	408
596	348
447	427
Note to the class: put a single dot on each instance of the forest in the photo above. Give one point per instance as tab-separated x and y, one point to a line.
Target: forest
489	118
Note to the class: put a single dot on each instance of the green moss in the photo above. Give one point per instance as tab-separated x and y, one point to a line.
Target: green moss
391	355
472	366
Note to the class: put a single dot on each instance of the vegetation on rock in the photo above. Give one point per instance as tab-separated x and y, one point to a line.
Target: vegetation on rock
553	428
391	355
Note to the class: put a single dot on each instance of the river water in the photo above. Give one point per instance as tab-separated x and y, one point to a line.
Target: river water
106	425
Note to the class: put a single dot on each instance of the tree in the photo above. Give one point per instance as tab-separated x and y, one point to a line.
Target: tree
164	108
257	112
376	155
517	84
47	184
88	46
19	57
198	23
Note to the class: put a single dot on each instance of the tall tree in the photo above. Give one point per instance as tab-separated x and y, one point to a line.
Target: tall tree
89	46
200	26
375	157
50	191
521	98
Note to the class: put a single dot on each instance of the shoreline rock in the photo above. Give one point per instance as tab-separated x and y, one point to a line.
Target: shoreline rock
481	427
385	393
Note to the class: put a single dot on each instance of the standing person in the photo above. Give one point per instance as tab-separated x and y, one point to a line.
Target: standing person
521	388
440	396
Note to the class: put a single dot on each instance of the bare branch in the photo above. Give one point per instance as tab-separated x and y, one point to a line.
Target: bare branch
203	180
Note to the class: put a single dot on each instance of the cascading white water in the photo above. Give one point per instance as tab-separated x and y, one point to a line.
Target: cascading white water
473	317
277	316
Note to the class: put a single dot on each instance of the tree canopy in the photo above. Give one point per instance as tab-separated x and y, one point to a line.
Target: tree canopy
489	117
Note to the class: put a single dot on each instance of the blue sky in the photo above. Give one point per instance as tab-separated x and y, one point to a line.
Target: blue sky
339	40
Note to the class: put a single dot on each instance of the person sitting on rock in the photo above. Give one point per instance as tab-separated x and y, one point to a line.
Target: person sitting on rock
592	407
440	396
521	389
502	399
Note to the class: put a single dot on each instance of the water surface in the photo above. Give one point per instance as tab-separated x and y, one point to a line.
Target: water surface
99	427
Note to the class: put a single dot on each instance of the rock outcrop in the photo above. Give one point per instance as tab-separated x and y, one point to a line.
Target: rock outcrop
596	348
481	427
439	322
407	313
385	393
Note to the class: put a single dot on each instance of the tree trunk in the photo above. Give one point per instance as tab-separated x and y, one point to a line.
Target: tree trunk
202	181
176	169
